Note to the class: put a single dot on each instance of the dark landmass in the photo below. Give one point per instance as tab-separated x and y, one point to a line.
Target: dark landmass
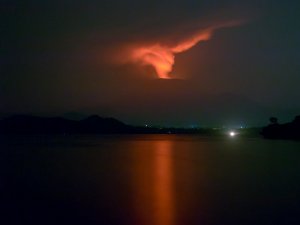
26	124
282	131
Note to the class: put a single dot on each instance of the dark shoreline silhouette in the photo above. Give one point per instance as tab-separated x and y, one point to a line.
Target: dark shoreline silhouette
27	124
35	125
289	130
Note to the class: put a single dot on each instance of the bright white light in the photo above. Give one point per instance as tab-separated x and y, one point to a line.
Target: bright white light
232	133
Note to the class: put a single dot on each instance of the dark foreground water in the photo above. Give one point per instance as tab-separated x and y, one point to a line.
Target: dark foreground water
149	180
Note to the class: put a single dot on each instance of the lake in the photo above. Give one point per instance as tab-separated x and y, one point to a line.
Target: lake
149	180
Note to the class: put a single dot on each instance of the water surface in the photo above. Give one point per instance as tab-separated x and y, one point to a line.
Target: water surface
149	180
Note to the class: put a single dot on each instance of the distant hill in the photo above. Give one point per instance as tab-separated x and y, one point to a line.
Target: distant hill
74	115
26	124
97	124
282	131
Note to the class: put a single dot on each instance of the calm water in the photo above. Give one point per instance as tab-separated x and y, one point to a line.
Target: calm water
149	180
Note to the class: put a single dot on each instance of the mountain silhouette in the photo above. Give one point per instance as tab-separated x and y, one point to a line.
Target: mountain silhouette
26	124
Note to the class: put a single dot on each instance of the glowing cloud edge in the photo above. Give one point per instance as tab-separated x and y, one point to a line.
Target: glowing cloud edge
162	56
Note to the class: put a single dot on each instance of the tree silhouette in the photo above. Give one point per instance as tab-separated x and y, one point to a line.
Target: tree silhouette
297	120
273	120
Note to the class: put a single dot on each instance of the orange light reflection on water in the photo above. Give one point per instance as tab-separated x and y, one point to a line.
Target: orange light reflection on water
153	183
164	200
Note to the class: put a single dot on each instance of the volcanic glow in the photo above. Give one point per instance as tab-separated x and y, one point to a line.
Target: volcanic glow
162	57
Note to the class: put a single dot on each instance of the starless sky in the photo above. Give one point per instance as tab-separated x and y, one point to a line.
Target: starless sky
227	62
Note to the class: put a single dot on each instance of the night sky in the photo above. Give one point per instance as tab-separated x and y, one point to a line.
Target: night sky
88	57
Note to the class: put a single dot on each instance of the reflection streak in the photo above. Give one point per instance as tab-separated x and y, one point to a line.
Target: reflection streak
163	184
153	183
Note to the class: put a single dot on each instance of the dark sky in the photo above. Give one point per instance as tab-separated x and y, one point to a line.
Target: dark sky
58	57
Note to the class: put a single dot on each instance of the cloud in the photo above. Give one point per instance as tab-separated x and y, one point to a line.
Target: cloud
160	53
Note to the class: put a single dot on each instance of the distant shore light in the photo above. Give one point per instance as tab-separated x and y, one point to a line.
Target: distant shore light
232	133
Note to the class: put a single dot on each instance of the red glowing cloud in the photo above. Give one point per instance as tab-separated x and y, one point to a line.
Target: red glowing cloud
162	56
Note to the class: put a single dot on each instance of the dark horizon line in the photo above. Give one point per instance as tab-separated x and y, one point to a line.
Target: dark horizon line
94	124
35	125
83	116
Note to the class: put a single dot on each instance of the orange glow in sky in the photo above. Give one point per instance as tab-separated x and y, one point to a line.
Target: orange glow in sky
162	57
